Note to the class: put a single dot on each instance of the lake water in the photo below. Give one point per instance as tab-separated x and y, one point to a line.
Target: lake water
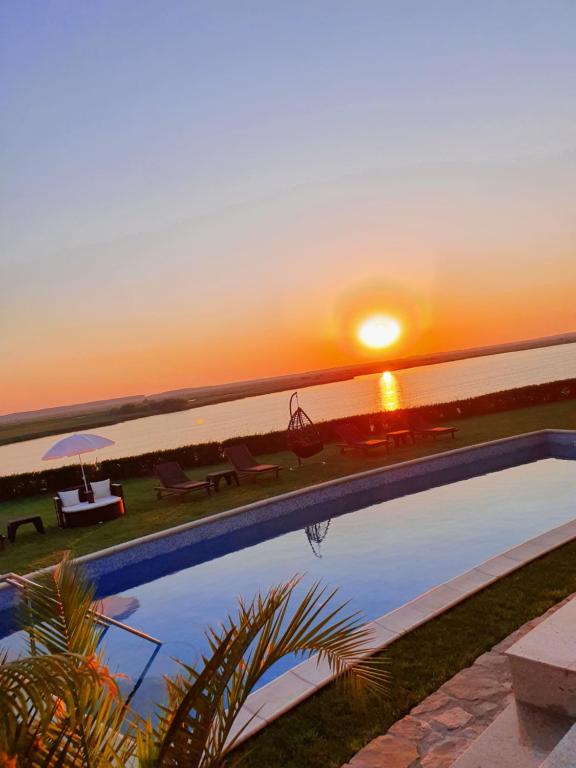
443	382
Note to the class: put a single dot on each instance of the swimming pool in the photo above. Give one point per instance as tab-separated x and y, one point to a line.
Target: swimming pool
380	556
385	537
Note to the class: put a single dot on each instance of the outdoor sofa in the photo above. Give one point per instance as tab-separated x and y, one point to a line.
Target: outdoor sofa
76	507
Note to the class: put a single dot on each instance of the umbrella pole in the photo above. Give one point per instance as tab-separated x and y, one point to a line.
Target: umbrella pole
83	473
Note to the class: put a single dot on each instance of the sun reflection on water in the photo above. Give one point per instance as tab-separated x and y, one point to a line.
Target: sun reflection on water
389	392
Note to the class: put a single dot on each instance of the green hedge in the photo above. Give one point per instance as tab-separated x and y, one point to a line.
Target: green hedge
205	454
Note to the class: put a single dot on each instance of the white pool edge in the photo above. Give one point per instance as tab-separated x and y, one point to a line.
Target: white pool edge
277	697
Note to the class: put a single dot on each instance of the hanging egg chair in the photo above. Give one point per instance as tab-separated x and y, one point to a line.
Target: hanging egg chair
303	437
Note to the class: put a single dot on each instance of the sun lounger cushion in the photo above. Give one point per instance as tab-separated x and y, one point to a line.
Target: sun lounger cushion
101	489
83	505
69	498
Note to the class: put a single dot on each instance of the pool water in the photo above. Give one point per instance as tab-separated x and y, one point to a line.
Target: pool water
380	557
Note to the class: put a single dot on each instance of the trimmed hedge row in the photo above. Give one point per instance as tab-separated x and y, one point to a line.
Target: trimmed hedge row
205	454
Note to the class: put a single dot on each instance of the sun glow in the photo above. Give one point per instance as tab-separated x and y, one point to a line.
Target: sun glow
379	331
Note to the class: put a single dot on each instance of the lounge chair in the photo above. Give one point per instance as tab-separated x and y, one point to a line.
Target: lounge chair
241	458
421	426
353	440
175	481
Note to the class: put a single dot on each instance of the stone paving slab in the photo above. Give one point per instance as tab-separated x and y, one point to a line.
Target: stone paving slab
442	727
521	737
543	664
563	754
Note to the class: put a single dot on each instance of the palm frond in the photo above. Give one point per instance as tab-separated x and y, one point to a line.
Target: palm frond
194	727
56	612
61	698
63	707
314	627
185	724
30	690
101	737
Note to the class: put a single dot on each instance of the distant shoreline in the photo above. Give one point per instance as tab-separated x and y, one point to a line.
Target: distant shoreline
29	426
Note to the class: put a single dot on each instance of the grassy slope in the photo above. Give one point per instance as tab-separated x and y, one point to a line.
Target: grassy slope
79	422
147	515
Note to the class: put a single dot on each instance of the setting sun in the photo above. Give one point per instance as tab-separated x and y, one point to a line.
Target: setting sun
379	331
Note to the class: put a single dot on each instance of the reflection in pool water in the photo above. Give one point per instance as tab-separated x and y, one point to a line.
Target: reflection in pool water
316	534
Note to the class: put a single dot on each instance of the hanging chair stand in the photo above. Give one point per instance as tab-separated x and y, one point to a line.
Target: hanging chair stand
303	437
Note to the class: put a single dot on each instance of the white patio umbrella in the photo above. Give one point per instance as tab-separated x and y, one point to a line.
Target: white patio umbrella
76	445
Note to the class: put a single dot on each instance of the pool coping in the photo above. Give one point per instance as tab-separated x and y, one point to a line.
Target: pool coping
304	680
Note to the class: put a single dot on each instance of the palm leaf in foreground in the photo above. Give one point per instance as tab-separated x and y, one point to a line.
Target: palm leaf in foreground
64	709
30	690
62	706
194	729
56	612
100	737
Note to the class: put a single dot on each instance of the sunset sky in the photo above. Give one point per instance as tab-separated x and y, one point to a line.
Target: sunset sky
197	192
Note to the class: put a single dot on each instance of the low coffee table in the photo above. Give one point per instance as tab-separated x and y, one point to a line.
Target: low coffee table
401	437
13	525
230	475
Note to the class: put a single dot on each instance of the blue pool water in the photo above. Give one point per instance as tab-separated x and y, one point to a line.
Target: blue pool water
380	557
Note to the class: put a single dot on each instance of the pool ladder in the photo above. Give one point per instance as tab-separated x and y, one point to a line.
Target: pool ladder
21	582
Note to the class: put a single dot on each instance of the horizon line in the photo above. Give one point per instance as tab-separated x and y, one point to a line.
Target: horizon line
403	363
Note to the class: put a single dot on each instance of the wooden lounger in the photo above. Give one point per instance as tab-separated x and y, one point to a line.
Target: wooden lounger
241	458
354	440
420	426
175	481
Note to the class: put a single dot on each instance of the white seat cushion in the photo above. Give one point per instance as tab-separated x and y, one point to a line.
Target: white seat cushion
84	505
69	498
101	489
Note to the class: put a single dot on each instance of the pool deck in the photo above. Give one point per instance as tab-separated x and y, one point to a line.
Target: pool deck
340	496
443	726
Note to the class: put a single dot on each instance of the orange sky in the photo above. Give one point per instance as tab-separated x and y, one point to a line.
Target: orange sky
99	360
205	196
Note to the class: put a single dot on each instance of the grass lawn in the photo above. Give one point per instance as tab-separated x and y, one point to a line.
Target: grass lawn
147	515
